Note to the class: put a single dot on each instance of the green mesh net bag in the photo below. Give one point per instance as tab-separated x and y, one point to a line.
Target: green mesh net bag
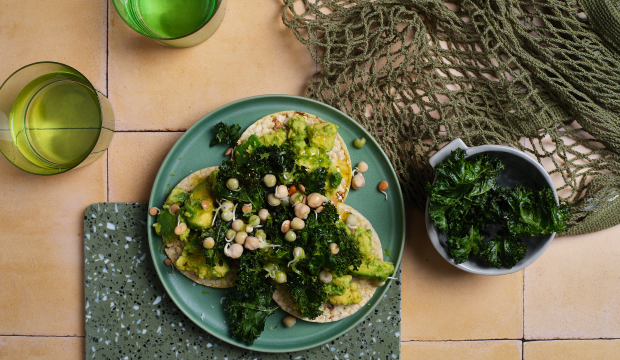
536	76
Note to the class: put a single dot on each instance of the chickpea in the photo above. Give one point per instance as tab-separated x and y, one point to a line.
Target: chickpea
252	243
383	185
359	143
319	209
333	247
326	277
246	209
249	228
273	200
204	204
227	216
240	237
281	192
230	234
228	152
351	220
301	188
254	220
208	243
237	225
175	208
227	206
297	224
153	211
235	251
358	181
270	180
260	234
286	226
232	184
362	167
298	252
297	198
279	277
263	214
302	210
290	236
316	200
168	262
289	321
179	229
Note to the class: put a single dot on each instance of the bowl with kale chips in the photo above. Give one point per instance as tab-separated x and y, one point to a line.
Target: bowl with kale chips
491	209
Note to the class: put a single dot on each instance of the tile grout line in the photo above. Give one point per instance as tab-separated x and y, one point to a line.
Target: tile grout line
107	91
521	340
50	336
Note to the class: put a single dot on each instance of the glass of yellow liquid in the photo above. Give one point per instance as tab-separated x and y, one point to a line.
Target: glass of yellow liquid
52	119
175	23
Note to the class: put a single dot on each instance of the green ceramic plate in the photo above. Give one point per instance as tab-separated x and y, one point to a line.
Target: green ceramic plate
192	152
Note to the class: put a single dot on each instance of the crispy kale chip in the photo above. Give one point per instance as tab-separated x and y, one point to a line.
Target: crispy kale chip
530	213
314	181
460	186
226	134
308	294
504	249
460	247
249	302
466	198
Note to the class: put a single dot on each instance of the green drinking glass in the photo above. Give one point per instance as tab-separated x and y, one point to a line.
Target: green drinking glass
175	23
52	119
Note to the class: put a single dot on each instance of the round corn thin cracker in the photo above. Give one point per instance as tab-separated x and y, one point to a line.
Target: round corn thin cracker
365	286
280	120
175	249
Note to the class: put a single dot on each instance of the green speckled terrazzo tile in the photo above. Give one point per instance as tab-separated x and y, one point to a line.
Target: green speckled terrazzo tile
129	315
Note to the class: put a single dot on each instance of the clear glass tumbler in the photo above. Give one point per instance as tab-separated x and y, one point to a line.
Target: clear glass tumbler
52	119
176	23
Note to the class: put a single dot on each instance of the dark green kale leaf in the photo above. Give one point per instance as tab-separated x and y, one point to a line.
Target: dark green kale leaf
329	214
460	185
530	213
308	294
226	134
321	236
460	247
334	179
504	249
313	181
218	233
249	303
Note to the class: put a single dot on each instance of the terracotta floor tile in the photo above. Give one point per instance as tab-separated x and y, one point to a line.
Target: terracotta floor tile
135	159
252	53
441	302
42	257
572	290
34	348
461	350
572	349
72	32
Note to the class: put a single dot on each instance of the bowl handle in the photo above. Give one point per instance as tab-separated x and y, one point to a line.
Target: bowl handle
445	151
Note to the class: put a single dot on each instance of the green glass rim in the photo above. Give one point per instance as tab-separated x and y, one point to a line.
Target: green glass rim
90	86
217	8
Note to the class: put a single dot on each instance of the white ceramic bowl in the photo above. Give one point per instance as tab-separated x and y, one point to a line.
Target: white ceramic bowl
520	169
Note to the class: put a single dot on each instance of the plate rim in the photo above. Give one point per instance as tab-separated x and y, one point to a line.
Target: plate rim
154	251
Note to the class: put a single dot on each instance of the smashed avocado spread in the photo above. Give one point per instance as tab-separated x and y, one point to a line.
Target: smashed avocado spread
252	216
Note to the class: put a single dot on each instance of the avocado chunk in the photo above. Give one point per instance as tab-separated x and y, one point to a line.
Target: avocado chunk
164	227
322	135
363	240
375	269
277	138
197	217
339	285
297	127
350	296
243	151
192	259
177	196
